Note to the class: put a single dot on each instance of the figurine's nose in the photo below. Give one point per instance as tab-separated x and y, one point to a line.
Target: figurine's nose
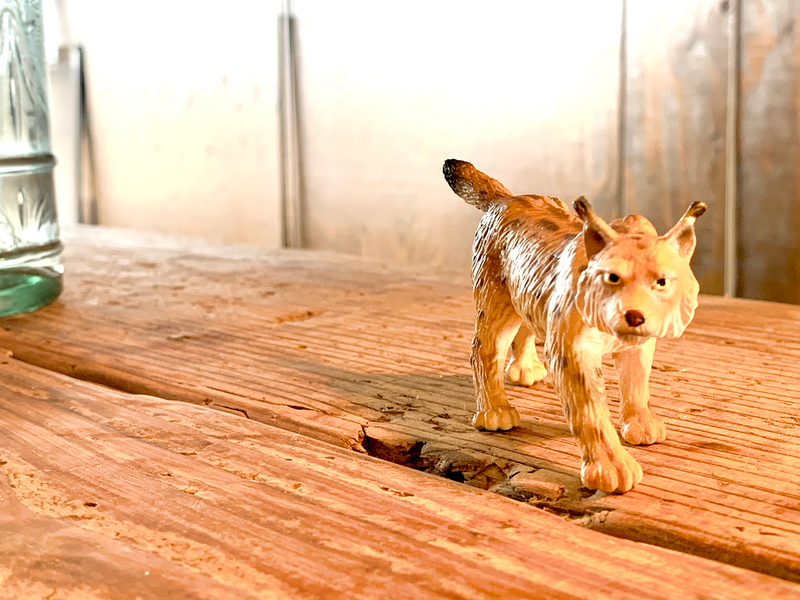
634	318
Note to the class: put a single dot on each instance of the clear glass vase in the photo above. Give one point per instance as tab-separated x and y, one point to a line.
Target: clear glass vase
30	249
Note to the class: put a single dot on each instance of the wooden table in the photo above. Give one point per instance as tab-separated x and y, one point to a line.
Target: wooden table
197	421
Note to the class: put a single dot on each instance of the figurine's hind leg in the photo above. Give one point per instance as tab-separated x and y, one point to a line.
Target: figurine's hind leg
638	424
495	327
525	367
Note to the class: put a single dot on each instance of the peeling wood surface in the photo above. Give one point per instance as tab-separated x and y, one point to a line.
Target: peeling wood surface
769	206
374	357
105	494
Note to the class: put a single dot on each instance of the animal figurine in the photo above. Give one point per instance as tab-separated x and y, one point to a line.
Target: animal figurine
585	288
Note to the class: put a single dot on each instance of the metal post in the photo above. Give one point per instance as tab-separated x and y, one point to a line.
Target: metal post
732	148
290	155
622	109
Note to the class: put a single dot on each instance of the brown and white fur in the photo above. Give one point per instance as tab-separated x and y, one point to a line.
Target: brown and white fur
585	289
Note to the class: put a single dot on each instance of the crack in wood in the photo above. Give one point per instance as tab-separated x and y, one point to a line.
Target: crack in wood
233	409
556	493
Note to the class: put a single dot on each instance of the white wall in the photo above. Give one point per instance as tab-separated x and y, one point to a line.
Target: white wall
526	90
183	101
183	106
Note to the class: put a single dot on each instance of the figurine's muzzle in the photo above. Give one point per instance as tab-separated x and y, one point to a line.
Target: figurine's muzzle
631	325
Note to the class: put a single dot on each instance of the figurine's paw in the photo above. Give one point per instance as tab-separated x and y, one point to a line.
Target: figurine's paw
496	419
525	373
618	473
644	428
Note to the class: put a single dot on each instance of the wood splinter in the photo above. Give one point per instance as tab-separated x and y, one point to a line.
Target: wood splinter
586	288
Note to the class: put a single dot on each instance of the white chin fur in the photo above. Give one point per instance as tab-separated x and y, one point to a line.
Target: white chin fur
630	339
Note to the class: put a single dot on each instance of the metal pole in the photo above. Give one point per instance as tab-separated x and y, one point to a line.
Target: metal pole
290	155
732	149
622	109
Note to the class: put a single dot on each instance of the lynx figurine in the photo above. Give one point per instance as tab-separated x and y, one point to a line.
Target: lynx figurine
585	289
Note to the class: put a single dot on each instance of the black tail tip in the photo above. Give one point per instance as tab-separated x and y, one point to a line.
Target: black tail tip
454	170
452	165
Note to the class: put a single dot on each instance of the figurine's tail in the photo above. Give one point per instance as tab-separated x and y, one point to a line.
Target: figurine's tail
477	188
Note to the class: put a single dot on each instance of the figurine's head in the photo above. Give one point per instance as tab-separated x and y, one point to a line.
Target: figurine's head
637	284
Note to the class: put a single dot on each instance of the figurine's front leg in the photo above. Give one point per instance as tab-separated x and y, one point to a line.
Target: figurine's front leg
578	379
638	424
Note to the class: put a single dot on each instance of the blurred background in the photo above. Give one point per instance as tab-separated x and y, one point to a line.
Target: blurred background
324	125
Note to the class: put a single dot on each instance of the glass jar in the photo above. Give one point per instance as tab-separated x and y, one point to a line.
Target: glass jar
30	249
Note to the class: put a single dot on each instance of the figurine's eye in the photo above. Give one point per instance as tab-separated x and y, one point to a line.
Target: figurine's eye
661	283
612	278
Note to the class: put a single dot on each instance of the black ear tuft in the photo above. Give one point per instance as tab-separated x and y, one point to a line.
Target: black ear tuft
582	207
682	236
696	209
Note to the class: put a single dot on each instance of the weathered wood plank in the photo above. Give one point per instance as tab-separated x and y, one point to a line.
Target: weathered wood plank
371	356
105	494
675	121
769	205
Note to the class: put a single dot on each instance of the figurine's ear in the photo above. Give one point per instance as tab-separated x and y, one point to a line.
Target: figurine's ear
596	233
682	236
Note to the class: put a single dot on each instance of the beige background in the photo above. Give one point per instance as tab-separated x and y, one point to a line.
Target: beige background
625	103
501	85
183	113
182	97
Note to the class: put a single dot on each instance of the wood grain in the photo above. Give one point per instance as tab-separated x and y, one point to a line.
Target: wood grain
675	121
111	495
769	219
374	356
